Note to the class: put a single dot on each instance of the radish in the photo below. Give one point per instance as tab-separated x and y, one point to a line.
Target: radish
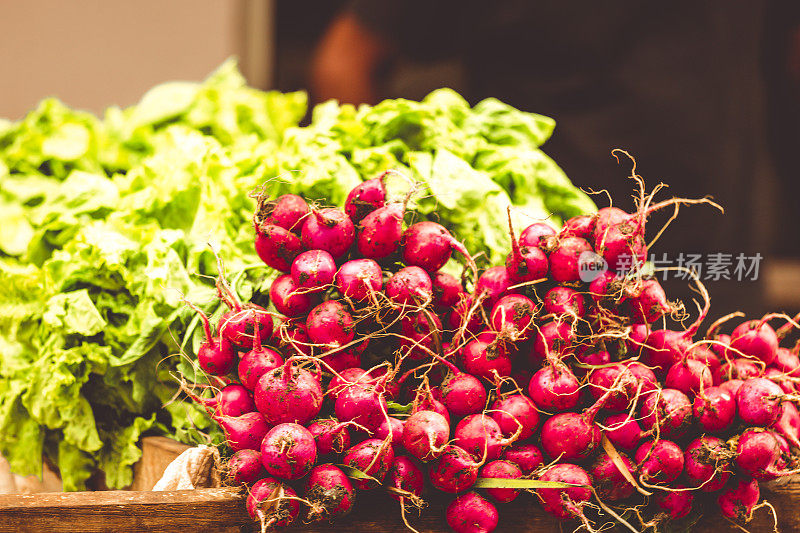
381	231
669	410
243	432
330	435
738	501
676	503
257	362
329	492
564	259
424	434
410	285
758	454
239	324
705	356
277	247
457	319
755	339
537	234
470	513
579	226
591	356
788	424
363	404
689	376
621	243
554	388
343	359
714	409
287	299
288	451
286	211
731	386
313	270
260	503
328	229
660	461
420	331
623	430
216	355
776	376
650	303
429	245
346	378
758	402
736	369
391	429
294	339
524	263
405	475
447	290
454	471
511	316
787	362
234	400
244	467
705	463
463	394
485	359
359	279
607	217
288	394
565	503
503	470
568	436
607	290
514	411
480	435
565	302
609	481
330	325
624	381
552	339
432	404
492	285
365	198
527	456
372	457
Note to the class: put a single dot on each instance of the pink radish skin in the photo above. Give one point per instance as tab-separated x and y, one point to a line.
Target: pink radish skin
504	470
470	513
328	229
511	412
330	324
381	231
607	217
245	467
512	316
664	348
650	304
705	463
676	503
429	245
409	286
277	247
346	378
234	400
759	453
670	409
373	457
238	325
623	431
737	369
580	226
297	341
287	299
365	198
454	471
788	425
622	244
288	451
458	315
480	435
758	402
565	302
689	377
420	331
216	355
330	492
432	404
637	339
705	356
552	340
313	270
565	503
424	434
755	339
573	436
463	394
281	515
732	386
608	479
343	359
331	436
494	283
527	456
564	265
447	290
778	377
660	462
392	430
287	211
359	278
635	376
714	409
362	404
484	359
244	432
554	388
606	290
526	263
257	362
787	362
404	474
537	234
591	357
288	394
737	502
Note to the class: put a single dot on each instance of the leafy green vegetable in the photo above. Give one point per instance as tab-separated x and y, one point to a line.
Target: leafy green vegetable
106	224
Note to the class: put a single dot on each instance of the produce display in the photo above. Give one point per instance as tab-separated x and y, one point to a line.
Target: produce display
108	224
561	374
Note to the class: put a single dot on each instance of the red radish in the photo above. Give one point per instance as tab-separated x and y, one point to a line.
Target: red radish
776	376
429	245
755	339
676	503
705	356
287	299
524	263
565	302
737	501
245	466
565	503
343	359
330	325
609	481
607	289
288	394
689	376
294	339
454	471
637	338
607	217
484	359
410	285
432	404
527	456
331	436
424	434
503	470
447	290
737	369
363	404
568	436
243	432
627	379
359	278
234	400
277	247
787	362
758	402
554	388
669	410
663	348
623	431
389	386
650	303
514	411
493	284
731	386
758	453
288	451
537	234
420	331
705	463
458	316
239	324
328	229
552	339
373	457
216	355
660	461
392	429
714	409
622	244
405	475
346	378
381	231
580	226
592	356
261	497
313	270
463	394
788	425
257	362
480	435
564	259
470	513
287	211
329	492
512	315
365	198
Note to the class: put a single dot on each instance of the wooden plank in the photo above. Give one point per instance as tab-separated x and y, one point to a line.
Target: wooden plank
157	454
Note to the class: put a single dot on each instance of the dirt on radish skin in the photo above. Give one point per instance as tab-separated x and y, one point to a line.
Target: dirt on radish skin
263	493
277	247
714	409
404	474
287	299
463	394
365	198
330	492
331	436
706	463
758	402
504	470
738	500
288	394
515	410
554	388
565	503
373	457
471	513
287	211
313	270
245	432
330	324
676	503
609	481
480	435
288	451
359	278
660	461
245	467
527	456
669	409
455	470
328	229
424	434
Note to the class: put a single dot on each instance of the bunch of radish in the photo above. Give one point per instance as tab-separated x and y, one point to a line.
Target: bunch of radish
374	370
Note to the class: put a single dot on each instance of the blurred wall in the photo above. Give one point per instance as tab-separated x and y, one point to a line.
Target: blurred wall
96	53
